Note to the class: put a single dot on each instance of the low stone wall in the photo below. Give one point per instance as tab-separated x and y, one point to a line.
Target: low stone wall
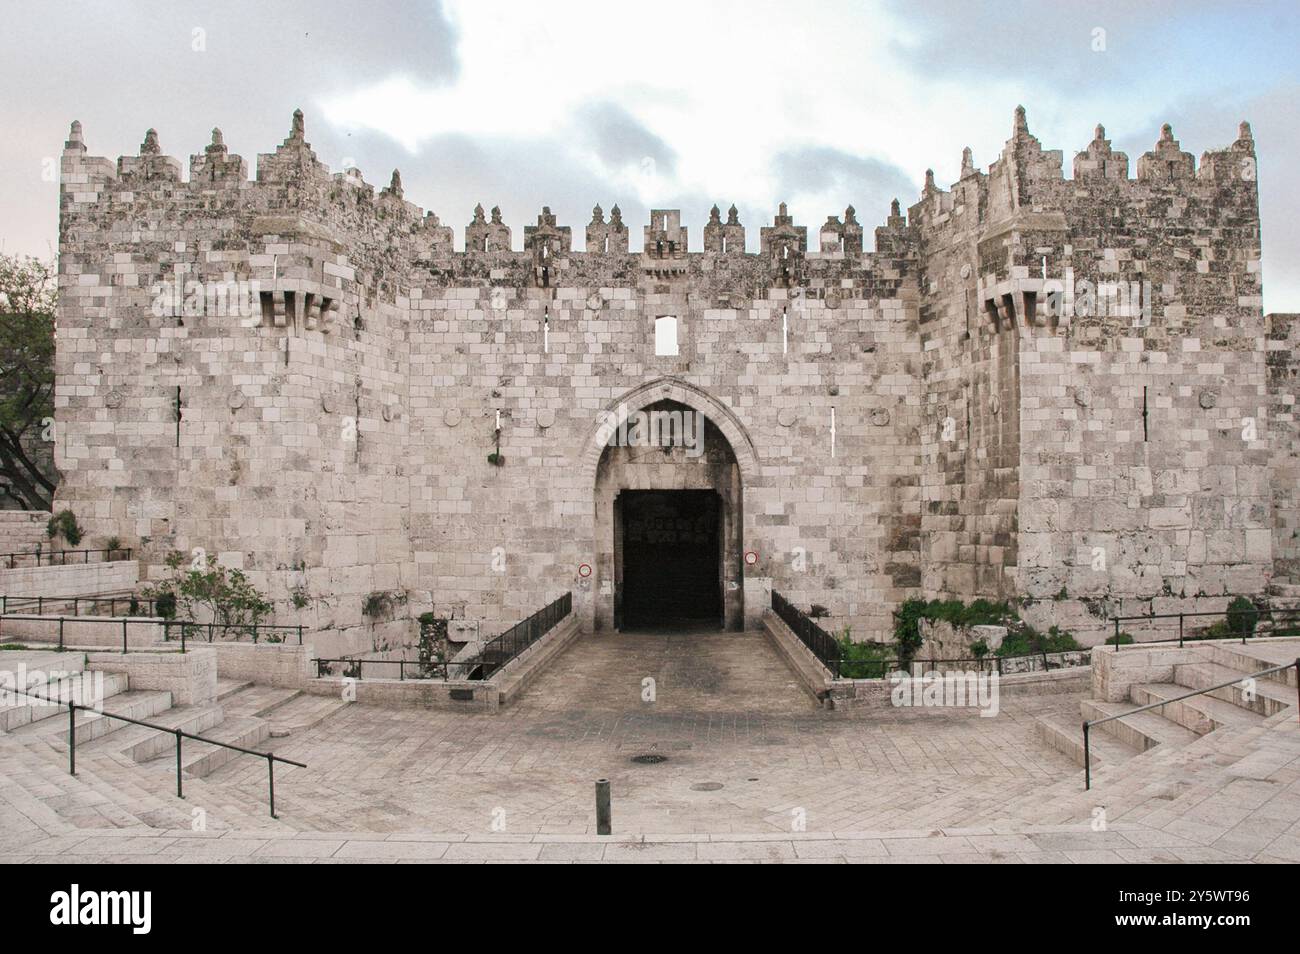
458	694
1115	673
83	631
75	579
190	677
812	675
876	693
521	671
286	665
455	694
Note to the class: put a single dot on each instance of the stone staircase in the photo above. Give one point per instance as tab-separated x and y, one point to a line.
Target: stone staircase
126	773
1148	765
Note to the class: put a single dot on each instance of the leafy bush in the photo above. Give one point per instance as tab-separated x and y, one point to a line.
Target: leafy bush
1242	616
863	660
220	594
64	524
1120	639
979	648
113	544
1023	640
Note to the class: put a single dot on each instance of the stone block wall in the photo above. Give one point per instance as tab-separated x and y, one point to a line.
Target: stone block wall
22	531
936	417
190	677
74	579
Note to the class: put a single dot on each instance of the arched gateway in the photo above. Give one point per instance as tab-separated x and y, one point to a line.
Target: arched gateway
669	464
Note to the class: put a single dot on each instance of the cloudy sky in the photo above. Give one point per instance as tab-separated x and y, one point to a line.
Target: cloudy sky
680	105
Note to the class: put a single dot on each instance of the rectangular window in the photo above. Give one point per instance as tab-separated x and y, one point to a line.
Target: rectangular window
666	335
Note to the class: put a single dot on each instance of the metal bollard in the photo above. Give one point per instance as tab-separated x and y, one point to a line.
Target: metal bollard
603	819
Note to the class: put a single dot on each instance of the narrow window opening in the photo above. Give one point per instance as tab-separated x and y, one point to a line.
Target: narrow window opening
666	336
1145	413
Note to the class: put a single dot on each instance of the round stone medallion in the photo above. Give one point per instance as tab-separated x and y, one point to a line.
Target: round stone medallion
880	417
1209	399
452	417
1083	397
113	399
545	417
237	400
787	416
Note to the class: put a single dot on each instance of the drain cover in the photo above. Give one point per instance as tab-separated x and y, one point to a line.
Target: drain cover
649	759
706	786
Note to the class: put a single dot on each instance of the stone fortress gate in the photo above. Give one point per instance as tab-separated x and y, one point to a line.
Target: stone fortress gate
1064	389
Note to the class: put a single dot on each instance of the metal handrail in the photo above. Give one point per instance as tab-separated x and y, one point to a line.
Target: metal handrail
322	664
41	601
819	642
1273	615
1088	724
494	655
63	555
178	734
167	624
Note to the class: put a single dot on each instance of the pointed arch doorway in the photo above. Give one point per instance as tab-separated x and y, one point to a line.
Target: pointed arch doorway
669	512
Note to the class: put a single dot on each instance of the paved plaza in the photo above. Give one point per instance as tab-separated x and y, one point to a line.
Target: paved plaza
747	767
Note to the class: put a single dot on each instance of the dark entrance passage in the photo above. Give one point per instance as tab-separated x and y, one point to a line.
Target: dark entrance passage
670	543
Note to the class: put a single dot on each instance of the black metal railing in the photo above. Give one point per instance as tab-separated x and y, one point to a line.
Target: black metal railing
831	654
1255	623
265	632
354	668
178	734
819	642
207	632
92	605
502	649
60	557
1087	725
495	654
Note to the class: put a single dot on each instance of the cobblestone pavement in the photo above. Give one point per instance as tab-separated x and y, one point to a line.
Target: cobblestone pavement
745	749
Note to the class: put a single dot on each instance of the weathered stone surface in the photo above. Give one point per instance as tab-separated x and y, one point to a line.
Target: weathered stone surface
981	387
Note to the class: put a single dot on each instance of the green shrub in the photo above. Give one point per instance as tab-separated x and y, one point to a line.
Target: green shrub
863	660
1120	639
64	524
1242	616
979	649
1023	640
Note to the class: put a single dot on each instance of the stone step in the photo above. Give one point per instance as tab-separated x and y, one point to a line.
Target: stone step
257	702
1268	698
1140	730
228	687
302	713
82	687
140	744
1065	735
1201	714
39	662
1253	657
199	759
91	725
